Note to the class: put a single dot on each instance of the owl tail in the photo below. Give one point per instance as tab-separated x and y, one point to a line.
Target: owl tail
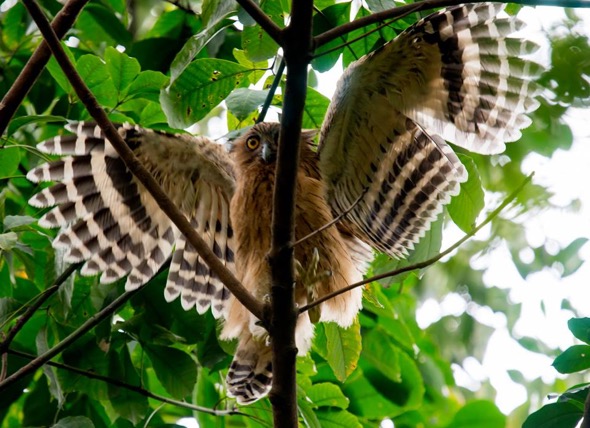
250	373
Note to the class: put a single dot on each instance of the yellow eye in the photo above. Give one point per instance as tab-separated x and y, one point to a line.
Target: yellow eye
252	143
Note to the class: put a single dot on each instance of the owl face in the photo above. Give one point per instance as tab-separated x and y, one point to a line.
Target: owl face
258	145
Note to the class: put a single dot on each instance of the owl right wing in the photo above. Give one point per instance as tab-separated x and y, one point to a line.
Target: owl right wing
110	222
456	73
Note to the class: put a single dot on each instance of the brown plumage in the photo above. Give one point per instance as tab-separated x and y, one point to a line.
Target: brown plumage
454	72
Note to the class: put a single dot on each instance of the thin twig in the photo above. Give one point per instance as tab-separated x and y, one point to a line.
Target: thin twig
42	298
430	261
271	91
136	167
137	389
258	15
67	341
401	11
334	221
63	21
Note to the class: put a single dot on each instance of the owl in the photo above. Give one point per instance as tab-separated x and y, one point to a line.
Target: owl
382	157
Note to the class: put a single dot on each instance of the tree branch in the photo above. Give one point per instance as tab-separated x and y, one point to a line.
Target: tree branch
430	261
401	11
298	50
63	21
67	341
137	389
33	308
135	166
258	15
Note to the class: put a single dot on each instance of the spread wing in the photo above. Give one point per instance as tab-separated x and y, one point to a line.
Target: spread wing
109	221
455	73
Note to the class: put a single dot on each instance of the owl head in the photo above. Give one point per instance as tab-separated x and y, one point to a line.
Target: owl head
259	144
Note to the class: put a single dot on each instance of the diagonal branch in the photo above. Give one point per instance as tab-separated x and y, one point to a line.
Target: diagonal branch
92	322
135	166
63	21
137	389
401	11
272	29
430	261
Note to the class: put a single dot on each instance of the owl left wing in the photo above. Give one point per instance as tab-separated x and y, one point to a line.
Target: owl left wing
110	222
453	73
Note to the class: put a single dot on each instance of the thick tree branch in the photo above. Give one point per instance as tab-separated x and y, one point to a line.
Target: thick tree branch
135	166
432	260
92	322
272	29
33	307
137	389
401	11
297	48
63	21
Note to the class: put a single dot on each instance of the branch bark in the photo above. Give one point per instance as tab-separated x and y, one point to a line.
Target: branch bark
297	45
63	21
135	166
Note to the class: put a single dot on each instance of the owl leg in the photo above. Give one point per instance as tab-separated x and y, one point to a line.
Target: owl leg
250	373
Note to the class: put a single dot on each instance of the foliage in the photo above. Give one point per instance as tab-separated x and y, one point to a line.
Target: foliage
167	67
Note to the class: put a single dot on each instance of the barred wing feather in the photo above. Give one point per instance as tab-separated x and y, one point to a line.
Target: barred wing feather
109	221
456	74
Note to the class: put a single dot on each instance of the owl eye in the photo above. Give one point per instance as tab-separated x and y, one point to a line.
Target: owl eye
252	143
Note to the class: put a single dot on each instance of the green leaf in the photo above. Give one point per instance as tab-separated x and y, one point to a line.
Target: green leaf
561	414
95	74
243	101
330	17
375	346
122	69
19	122
580	327
175	369
315	108
74	422
573	359
380	5
127	404
258	68
466	206
9	160
343	348
327	395
57	73
8	241
148	85
208	396
306	411
257	44
16	221
214	12
479	414
202	86
15	26
337	419
54	385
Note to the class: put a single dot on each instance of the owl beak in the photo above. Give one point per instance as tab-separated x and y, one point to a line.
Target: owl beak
267	153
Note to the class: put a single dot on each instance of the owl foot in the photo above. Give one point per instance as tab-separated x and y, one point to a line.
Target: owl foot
309	276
